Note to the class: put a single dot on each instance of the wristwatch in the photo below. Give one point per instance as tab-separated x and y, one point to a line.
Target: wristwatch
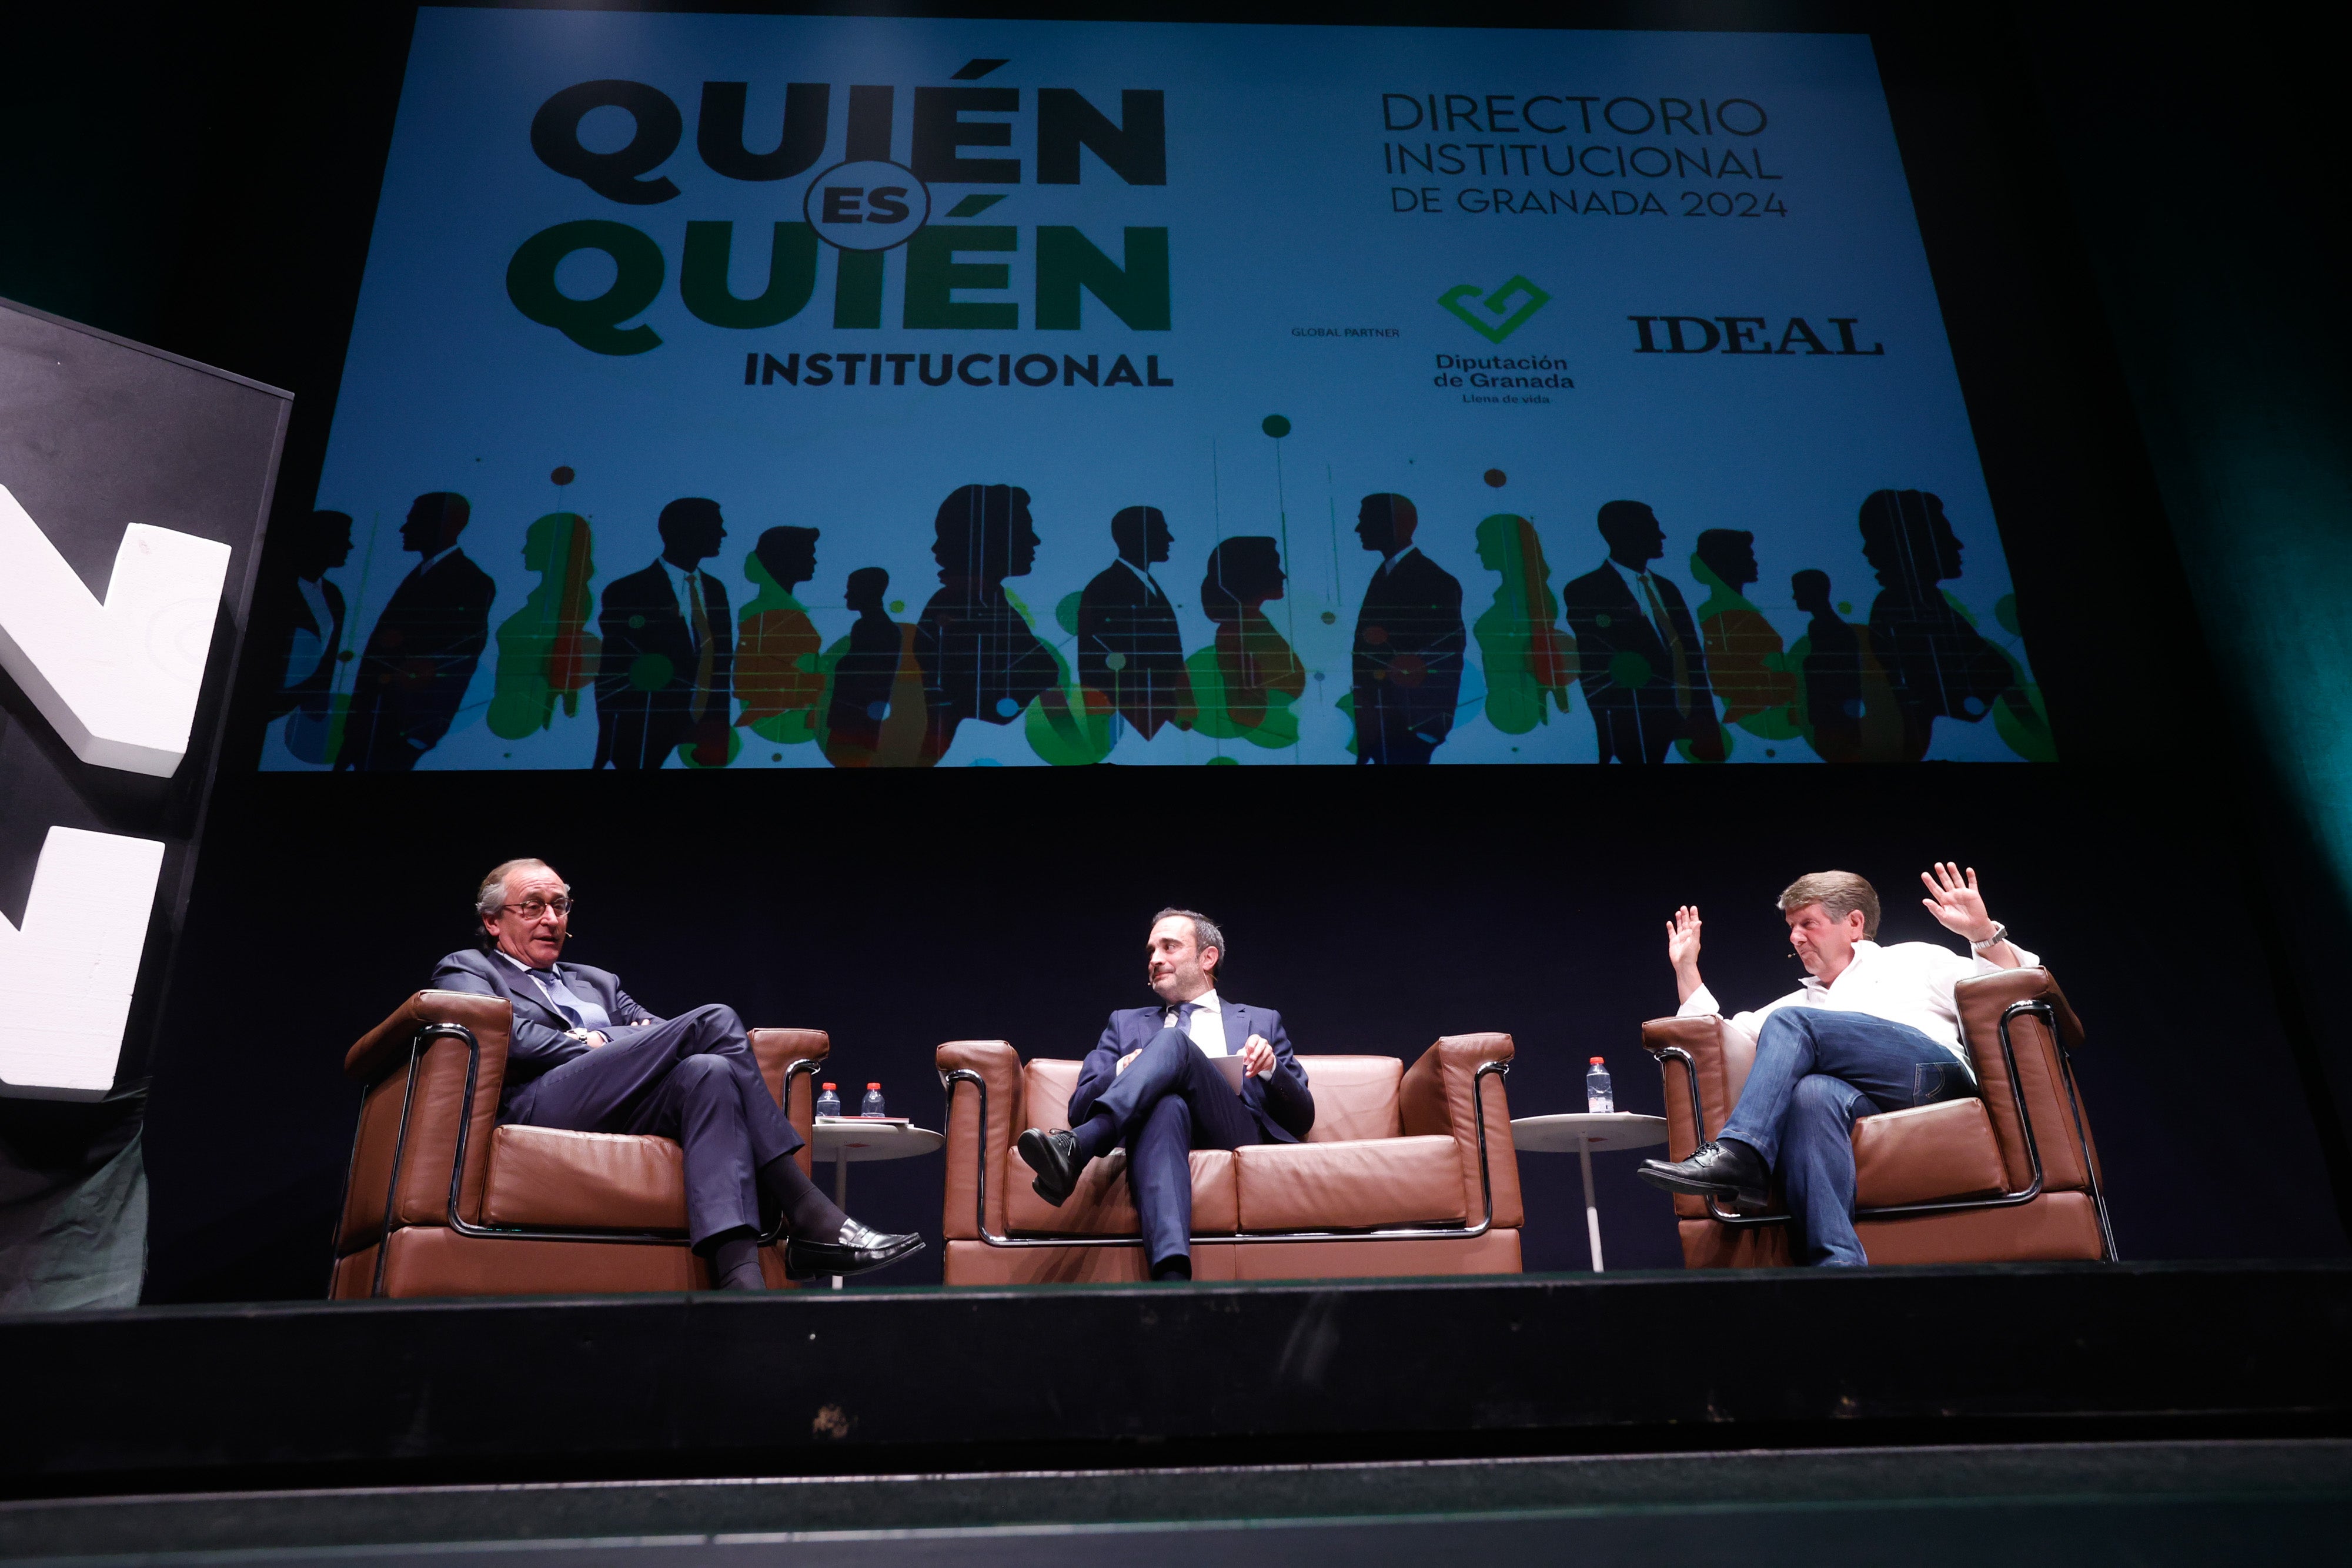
1999	933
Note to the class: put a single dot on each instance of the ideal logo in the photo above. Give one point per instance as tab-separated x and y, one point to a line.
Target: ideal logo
1494	316
874	199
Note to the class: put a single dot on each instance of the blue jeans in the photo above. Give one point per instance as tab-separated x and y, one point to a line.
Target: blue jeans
1816	1072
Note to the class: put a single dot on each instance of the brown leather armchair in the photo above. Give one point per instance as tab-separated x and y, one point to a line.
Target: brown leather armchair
443	1201
2009	1176
1407	1171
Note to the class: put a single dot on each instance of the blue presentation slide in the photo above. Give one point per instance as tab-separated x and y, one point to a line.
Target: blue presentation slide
736	392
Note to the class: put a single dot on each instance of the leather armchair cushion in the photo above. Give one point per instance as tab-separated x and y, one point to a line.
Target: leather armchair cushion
1351	1185
1045	1089
1925	1153
542	1177
1104	1205
1355	1097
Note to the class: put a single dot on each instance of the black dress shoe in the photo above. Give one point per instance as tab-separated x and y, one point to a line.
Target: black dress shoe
1054	1157
859	1251
1727	1169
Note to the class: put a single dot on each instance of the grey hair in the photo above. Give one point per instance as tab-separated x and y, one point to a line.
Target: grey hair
492	894
1205	931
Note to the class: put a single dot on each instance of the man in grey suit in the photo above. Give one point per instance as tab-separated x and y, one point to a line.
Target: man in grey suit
584	1055
1148	1085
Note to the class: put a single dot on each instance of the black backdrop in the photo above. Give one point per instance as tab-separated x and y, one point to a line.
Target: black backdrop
1377	910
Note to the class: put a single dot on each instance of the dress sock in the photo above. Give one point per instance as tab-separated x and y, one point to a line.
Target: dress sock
1098	1137
808	1213
735	1261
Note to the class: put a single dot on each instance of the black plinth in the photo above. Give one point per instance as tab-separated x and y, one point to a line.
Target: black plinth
927	1380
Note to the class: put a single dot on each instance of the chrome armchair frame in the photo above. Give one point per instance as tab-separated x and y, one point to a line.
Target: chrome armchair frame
949	1081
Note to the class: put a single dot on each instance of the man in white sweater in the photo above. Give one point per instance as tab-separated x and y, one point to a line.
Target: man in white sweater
1872	1028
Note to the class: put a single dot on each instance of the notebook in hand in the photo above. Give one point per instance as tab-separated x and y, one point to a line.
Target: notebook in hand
1231	1066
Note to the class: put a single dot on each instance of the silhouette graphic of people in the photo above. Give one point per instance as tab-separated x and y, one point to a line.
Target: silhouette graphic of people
1845	707
980	657
875	718
1129	648
546	653
1644	667
305	617
1745	662
421	655
1940	668
670	648
777	678
1527	657
1410	642
1244	683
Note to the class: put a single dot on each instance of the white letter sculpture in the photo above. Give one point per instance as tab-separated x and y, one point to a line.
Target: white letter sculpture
118	681
66	977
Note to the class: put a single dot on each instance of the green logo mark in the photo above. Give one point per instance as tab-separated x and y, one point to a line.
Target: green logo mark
1493	317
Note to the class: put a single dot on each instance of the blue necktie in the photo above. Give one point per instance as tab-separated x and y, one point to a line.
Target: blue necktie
552	987
1184	1011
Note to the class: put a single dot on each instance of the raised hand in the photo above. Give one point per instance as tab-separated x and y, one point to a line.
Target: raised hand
1955	901
1682	936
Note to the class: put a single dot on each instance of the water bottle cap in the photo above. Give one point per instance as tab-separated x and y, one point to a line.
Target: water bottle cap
874	1086
1596	1061
828	1086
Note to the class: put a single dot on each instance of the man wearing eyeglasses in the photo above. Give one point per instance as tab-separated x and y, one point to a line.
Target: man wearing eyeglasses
584	1056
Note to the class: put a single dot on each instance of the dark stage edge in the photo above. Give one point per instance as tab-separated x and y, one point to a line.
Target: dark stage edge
1094	1378
2141	1502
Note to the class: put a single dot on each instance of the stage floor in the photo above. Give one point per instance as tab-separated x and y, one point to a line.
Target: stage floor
1118	1378
2072	1504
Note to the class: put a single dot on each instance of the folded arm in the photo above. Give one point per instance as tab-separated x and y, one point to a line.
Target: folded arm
1289	1099
528	1041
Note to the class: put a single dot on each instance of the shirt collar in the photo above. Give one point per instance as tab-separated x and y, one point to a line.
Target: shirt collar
430	561
1389	564
1207	1002
1632	578
518	964
1143	573
1863	951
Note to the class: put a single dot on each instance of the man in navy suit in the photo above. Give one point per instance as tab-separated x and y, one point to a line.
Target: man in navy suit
1410	642
1148	1086
420	657
585	1056
1130	649
1644	664
666	674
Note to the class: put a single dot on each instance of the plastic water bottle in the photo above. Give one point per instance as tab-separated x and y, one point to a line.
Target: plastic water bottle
873	1105
1596	1094
828	1104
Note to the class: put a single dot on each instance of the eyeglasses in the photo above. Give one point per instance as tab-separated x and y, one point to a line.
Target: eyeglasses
537	908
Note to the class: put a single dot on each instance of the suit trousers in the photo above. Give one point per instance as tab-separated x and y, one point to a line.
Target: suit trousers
691	1079
1642	730
1167	1104
1816	1072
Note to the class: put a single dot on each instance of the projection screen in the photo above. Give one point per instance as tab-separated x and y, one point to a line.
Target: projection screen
792	392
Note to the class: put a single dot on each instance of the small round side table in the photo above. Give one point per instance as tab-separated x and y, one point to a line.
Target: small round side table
1585	1132
849	1140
